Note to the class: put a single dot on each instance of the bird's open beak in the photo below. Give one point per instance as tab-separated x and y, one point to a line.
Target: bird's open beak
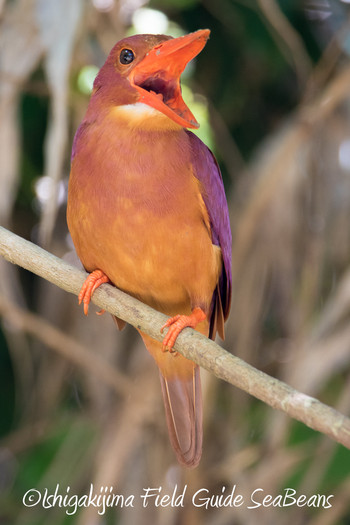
157	76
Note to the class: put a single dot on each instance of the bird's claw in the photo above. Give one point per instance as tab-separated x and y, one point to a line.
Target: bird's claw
176	324
93	281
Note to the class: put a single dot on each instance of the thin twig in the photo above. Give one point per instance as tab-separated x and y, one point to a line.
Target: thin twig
190	343
292	44
326	65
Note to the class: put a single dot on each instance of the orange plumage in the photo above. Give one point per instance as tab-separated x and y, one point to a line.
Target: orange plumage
137	211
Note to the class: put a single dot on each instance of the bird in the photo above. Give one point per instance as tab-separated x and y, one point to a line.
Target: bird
147	212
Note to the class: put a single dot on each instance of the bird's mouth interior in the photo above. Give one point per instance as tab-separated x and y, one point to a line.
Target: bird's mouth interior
159	86
161	90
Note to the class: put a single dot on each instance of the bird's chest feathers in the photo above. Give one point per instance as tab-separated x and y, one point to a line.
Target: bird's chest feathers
146	215
143	176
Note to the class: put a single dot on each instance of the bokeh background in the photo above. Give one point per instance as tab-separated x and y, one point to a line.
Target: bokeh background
80	402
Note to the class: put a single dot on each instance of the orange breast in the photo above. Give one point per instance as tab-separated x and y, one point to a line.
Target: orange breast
135	211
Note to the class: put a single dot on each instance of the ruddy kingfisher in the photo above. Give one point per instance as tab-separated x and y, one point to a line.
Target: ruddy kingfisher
147	211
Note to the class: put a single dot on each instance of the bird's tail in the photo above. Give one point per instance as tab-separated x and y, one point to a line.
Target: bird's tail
183	408
182	396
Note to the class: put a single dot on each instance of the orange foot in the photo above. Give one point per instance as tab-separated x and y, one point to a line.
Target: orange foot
93	281
178	323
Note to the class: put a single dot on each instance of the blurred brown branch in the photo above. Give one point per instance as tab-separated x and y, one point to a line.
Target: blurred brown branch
64	345
191	344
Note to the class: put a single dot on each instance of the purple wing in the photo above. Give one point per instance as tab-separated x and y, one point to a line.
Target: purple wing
208	173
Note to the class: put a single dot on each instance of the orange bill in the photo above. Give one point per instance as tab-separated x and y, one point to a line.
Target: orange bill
157	76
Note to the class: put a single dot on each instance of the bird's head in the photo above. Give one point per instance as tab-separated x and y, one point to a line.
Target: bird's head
146	69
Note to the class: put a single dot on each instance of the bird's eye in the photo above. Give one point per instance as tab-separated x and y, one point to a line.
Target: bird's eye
126	56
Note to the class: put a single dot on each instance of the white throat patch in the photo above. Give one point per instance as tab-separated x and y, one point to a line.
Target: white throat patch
139	109
144	116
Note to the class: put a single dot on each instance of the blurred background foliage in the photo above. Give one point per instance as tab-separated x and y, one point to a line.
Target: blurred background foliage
80	402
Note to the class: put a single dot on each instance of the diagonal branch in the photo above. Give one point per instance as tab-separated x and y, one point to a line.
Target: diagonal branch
64	345
191	344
